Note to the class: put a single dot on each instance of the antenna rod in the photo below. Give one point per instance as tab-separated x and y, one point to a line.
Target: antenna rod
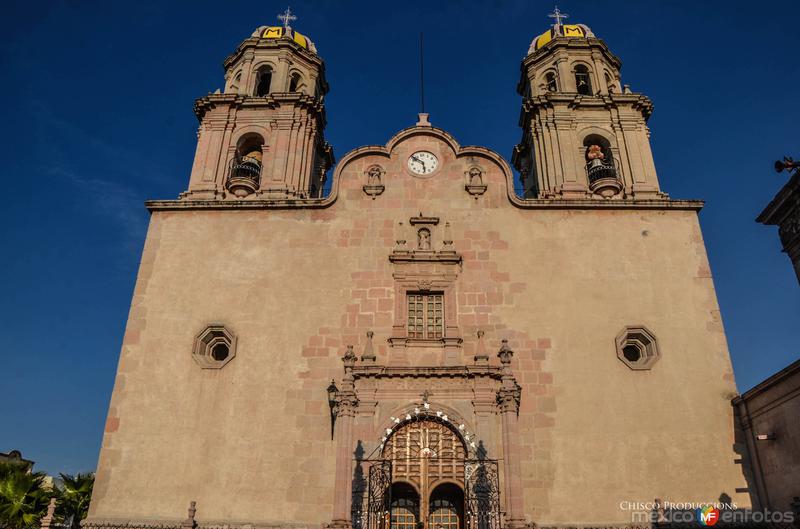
421	77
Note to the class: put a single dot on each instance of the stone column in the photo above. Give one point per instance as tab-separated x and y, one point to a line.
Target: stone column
47	521
344	412
508	397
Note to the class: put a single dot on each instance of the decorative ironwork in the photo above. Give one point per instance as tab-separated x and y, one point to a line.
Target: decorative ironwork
246	167
380	495
599	169
482	494
244	175
603	177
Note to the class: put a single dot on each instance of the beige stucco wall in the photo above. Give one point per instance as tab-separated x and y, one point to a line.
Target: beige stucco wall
251	441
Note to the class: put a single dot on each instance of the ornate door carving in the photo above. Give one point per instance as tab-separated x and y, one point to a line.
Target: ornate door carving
427	453
424	452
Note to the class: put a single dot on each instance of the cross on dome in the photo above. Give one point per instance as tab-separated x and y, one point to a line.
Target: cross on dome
558	15
287	17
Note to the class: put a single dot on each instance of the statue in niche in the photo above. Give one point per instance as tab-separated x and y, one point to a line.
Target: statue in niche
424	239
374	185
374	176
475	176
475	185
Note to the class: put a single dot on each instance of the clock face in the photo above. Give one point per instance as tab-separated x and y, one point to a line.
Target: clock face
422	163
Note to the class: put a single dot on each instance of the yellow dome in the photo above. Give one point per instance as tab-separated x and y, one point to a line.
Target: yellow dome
277	32
569	31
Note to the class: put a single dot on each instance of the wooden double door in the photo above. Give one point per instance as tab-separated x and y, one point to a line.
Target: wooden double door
428	458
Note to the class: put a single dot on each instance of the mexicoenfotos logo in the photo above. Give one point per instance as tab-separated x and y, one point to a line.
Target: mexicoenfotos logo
708	515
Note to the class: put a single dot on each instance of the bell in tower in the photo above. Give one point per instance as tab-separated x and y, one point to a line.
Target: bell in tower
583	135
262	138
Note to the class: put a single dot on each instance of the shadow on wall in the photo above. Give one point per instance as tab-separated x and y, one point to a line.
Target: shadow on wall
358	509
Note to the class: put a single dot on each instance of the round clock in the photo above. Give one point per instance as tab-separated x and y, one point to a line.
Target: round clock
422	163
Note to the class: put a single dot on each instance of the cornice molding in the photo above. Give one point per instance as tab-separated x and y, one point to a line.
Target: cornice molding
522	203
315	105
252	43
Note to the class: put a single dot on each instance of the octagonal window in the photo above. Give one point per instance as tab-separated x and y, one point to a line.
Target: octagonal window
637	347
214	347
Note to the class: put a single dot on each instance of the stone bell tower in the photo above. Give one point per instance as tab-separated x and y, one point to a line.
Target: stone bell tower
584	134
262	138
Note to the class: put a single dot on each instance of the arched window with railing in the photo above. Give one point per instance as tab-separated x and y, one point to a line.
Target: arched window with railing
583	80
263	81
601	168
244	176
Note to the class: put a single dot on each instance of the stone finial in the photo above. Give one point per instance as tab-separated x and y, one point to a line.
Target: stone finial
422	120
400	237
659	508
505	354
349	357
447	239
190	522
369	352
47	520
481	356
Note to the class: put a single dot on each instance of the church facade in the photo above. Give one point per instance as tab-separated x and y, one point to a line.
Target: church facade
421	347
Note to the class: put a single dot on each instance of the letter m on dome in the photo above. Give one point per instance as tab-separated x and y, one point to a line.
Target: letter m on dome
272	33
573	31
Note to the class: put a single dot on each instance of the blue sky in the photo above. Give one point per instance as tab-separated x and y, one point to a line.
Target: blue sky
98	118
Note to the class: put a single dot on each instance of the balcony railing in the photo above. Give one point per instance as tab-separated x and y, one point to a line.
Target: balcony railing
600	169
246	167
244	176
603	178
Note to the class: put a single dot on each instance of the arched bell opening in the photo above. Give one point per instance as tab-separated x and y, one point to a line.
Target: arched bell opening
245	171
446	507
601	170
404	508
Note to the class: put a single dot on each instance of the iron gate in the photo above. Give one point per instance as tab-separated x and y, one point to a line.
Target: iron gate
379	495
482	494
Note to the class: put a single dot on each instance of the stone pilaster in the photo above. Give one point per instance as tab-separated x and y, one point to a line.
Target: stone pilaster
508	399
344	412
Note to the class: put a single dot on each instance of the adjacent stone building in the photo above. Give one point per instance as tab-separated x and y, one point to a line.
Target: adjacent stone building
768	414
420	344
784	211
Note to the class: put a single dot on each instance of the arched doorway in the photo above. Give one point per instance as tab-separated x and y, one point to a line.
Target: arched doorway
446	507
404	509
427	457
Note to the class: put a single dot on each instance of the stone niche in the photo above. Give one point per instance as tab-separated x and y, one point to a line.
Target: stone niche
425	268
